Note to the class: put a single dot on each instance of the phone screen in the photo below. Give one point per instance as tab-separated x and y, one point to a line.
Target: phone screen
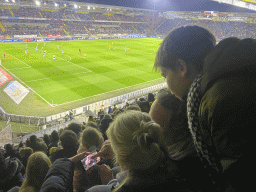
88	162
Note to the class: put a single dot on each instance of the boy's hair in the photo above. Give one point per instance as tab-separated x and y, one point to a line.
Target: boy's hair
189	43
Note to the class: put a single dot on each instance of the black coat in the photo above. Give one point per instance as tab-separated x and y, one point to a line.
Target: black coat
12	175
59	177
66	152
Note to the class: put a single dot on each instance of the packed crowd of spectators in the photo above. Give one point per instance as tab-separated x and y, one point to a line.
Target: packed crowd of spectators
194	136
34	27
25	166
220	29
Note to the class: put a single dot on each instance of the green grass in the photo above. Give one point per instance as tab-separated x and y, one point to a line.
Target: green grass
18	127
72	80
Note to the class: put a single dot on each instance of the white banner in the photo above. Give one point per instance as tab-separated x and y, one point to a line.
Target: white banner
16	91
6	136
25	36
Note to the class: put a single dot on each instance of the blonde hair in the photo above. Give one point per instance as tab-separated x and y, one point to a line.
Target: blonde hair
91	137
37	168
136	141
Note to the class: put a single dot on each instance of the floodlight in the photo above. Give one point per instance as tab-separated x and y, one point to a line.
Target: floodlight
65	5
88	8
93	7
7	0
37	3
79	7
55	4
75	6
13	1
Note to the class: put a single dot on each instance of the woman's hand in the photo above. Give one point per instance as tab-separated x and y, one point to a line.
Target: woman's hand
106	151
79	156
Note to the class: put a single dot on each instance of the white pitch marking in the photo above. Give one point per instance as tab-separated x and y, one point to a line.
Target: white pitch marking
29	87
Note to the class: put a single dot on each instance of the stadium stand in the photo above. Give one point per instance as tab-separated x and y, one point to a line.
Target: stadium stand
174	151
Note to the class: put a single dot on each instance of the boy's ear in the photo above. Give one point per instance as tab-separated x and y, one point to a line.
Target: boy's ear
182	67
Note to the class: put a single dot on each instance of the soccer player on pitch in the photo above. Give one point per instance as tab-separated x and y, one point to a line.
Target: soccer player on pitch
62	52
43	54
26	52
54	57
84	55
4	54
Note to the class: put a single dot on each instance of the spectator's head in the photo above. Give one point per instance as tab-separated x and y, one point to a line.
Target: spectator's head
142	99
92	124
181	57
28	142
132	107
116	112
8	148
33	139
46	139
25	152
21	144
91	138
136	141
75	127
107	116
68	139
170	113
151	97
36	170
54	136
91	118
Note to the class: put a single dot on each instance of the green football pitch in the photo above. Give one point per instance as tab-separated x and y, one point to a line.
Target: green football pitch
102	66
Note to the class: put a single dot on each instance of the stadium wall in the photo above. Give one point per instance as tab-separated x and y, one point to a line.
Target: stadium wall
94	107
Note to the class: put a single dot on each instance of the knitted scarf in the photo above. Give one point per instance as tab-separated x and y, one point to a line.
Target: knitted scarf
206	152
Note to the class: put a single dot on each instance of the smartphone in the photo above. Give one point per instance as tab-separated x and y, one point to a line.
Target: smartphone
88	162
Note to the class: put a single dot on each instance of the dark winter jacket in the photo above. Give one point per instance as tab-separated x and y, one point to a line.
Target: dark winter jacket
66	152
12	175
59	177
227	109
